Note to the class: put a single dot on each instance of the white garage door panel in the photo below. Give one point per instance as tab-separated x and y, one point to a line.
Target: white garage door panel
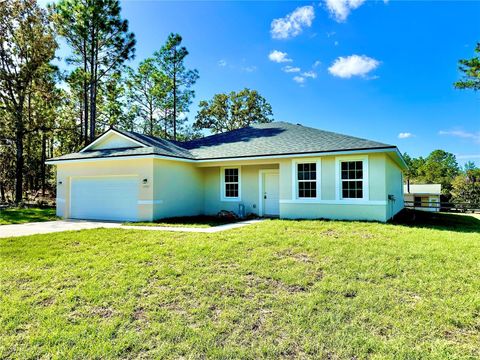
104	198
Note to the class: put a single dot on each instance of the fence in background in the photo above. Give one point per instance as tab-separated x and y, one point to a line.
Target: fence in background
442	206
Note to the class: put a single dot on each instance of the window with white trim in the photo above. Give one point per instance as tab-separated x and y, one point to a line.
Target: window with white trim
352	179
231	183
307	180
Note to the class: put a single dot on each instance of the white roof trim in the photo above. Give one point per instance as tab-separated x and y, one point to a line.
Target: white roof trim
110	131
172	158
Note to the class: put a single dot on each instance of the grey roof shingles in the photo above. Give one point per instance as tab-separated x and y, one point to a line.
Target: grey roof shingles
276	138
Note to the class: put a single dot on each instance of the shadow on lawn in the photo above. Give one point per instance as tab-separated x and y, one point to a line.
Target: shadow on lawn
438	221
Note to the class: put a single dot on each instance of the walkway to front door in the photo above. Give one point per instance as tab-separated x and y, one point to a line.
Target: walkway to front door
269	193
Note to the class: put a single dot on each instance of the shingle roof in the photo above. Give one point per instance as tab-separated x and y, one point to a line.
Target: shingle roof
276	138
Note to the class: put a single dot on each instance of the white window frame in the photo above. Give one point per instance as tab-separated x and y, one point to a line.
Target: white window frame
223	196
338	177
295	187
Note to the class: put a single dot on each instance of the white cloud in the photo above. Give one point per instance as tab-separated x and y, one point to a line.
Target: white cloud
340	9
250	68
291	69
475	136
222	63
335	43
317	63
292	24
299	79
405	135
354	65
279	56
310	74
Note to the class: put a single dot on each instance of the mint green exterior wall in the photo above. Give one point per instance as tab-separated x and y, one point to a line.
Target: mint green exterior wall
394	183
178	189
333	211
384	178
249	189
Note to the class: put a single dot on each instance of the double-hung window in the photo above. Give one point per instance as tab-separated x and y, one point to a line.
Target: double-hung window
352	179
307	180
231	183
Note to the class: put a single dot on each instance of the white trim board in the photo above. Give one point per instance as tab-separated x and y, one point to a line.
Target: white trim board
222	184
108	133
365	165
335	202
318	179
149	202
202	161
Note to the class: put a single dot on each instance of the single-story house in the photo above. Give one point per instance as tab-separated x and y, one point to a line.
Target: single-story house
424	197
276	169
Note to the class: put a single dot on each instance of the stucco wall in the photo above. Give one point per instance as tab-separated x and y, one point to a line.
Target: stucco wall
178	189
181	189
249	189
143	168
394	184
333	211
329	205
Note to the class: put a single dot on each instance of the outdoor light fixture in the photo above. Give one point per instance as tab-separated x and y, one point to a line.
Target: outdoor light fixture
144	181
60	183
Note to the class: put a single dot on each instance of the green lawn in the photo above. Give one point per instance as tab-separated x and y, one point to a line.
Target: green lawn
202	221
25	215
277	289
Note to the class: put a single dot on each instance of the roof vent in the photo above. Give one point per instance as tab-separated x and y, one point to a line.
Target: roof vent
299	124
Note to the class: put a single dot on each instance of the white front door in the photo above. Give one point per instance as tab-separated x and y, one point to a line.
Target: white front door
271	194
104	198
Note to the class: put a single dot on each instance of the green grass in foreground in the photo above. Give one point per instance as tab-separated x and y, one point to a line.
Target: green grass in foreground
25	215
277	289
202	221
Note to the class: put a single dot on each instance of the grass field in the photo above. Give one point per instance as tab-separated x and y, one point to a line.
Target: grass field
201	221
25	215
277	289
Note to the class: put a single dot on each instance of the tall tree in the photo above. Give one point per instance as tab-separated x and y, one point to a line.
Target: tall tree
439	167
231	111
471	72
100	43
147	92
180	80
27	44
466	187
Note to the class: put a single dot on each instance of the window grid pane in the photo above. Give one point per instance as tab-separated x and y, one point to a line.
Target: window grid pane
231	183
306	180
352	179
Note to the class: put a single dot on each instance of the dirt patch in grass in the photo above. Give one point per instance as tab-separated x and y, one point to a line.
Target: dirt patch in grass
187	221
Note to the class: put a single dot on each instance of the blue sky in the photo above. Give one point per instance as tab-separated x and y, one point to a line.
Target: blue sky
371	69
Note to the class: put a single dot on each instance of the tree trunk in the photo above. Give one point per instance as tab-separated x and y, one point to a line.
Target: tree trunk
2	193
85	94
151	119
174	95
19	163
42	165
92	86
95	86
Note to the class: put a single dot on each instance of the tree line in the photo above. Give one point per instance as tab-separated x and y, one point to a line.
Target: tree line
46	111
460	185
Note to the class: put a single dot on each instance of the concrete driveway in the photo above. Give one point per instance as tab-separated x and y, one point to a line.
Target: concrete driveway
52	226
67	225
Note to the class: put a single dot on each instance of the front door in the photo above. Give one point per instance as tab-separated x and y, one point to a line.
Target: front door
271	194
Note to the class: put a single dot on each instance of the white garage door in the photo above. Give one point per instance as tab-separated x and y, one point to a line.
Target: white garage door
104	198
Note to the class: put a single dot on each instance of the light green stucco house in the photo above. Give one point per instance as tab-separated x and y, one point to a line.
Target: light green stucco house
276	169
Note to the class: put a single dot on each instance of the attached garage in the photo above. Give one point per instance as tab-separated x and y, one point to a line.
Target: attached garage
104	198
